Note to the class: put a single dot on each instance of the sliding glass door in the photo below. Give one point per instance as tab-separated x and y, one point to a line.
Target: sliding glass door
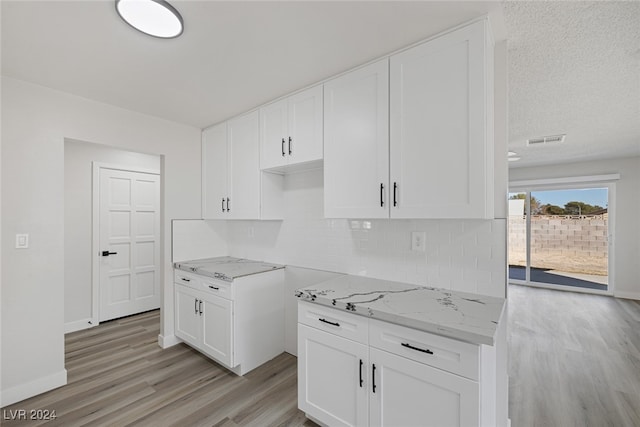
559	237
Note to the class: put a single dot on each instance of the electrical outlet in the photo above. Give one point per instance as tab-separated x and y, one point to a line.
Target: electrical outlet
418	239
22	241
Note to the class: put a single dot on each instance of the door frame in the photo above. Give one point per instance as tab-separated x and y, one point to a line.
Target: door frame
95	233
605	181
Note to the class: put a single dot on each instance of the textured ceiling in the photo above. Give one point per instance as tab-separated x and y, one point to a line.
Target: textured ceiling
573	66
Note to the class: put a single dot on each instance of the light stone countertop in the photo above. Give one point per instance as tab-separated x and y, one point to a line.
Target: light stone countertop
226	268
463	316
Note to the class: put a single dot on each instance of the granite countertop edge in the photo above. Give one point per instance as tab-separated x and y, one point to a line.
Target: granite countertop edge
442	329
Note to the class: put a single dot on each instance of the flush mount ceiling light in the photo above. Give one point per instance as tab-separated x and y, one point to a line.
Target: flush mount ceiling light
156	18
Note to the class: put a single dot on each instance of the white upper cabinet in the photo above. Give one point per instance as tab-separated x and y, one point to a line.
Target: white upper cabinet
244	164
214	172
441	97
413	137
291	130
230	169
356	143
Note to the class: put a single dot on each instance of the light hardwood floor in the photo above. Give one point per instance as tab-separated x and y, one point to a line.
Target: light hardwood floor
574	361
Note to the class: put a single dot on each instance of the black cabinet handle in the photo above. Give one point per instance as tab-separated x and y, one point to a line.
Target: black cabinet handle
223	205
290	139
404	344
213	287
184	279
360	373
331	323
373	377
228	204
381	195
283	147
200	307
107	253
195	305
395	188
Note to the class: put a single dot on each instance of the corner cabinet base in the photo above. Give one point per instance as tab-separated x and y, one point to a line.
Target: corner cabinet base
240	324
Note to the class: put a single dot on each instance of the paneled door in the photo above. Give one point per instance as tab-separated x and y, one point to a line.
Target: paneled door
129	242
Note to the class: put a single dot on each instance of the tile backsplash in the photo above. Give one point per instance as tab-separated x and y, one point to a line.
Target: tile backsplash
464	255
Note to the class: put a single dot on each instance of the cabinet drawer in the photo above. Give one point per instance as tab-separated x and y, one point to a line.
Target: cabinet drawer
327	319
187	279
217	287
454	356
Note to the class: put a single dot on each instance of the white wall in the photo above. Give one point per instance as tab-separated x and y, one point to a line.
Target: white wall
78	158
197	239
626	252
35	123
464	255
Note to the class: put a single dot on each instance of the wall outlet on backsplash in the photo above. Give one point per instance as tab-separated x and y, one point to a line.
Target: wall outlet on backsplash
418	241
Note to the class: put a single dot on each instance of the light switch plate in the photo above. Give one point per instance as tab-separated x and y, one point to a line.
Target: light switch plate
418	239
22	241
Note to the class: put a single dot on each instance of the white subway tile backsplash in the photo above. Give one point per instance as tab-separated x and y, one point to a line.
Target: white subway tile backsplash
464	255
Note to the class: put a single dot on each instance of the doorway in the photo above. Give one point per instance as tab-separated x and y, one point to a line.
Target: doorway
80	302
560	236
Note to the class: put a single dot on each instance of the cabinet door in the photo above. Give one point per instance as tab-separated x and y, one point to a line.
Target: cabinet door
244	164
356	143
214	172
188	322
305	126
438	145
217	329
409	393
274	133
332	378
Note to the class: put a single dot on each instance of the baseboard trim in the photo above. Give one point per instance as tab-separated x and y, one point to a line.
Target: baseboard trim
168	341
78	325
627	295
33	388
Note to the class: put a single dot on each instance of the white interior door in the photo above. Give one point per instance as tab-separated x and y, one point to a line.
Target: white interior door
129	243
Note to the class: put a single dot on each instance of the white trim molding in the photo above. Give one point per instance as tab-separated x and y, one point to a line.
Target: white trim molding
627	295
612	177
33	388
168	341
79	325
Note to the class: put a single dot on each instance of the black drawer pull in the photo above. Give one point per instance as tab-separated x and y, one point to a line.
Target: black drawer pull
360	373
331	323
228	204
223	209
282	147
195	305
184	279
381	195
395	189
373	377
200	307
404	344
213	287
290	139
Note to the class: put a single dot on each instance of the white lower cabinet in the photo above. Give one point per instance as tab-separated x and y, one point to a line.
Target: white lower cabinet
409	393
205	322
238	324
413	379
332	378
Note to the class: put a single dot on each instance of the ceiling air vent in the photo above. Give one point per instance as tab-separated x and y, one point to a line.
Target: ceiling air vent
546	139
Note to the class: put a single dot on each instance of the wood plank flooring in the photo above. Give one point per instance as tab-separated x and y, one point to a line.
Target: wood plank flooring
574	361
118	376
